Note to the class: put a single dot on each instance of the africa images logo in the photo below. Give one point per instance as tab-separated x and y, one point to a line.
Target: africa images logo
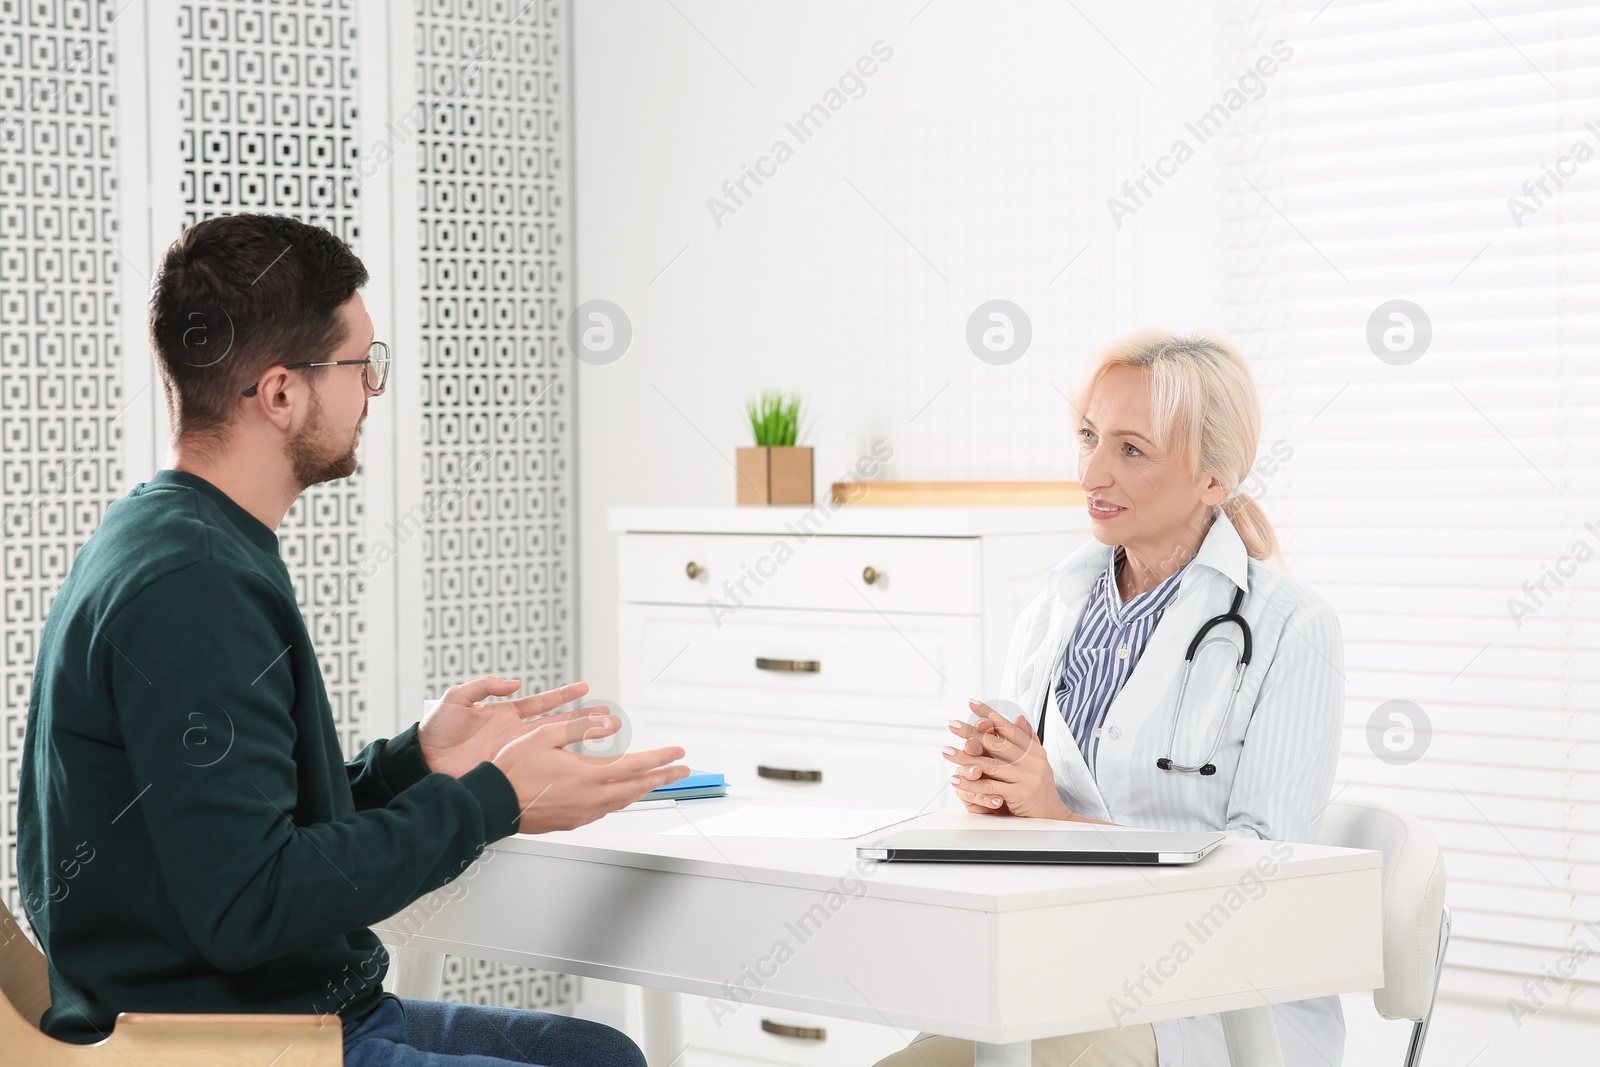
1249	87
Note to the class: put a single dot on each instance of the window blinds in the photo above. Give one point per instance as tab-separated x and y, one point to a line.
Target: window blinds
1444	497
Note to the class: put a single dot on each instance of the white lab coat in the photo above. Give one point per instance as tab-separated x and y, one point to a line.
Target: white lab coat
1276	761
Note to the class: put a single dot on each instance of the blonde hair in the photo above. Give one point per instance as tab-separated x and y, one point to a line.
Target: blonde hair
1205	407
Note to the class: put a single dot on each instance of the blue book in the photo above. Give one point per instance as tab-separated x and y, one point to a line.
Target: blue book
697	784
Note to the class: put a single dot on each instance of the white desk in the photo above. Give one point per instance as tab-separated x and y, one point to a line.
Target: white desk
996	954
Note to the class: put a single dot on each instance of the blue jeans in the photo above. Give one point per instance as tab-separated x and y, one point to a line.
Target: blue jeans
427	1033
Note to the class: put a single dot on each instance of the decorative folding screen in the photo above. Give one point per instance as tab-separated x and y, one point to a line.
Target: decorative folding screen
61	398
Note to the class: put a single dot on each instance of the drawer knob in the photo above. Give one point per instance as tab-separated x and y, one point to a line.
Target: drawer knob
797	666
871	575
694	570
802	1033
784	774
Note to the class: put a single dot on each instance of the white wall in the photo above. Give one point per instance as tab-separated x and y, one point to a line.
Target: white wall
990	140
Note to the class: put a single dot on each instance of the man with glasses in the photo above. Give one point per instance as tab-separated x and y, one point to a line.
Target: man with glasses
190	835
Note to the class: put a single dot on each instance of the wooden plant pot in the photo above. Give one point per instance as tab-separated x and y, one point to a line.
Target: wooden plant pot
774	475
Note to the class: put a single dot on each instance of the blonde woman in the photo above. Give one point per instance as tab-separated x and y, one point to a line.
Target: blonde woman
1167	428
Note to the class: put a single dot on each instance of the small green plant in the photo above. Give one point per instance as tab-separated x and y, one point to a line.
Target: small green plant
774	419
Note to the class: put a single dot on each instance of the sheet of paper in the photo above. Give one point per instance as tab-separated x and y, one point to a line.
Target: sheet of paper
649	804
758	820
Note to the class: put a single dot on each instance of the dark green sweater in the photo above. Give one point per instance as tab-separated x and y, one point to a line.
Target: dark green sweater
190	837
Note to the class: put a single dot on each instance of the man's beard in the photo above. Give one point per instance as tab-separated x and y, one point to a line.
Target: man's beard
316	460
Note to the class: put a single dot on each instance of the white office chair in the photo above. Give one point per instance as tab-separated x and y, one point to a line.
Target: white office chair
1416	922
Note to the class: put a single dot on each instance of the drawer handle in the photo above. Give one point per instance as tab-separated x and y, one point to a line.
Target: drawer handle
871	575
784	774
799	666
802	1033
694	570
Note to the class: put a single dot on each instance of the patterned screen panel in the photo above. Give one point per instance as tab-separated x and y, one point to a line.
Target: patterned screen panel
496	427
267	122
61	398
496	430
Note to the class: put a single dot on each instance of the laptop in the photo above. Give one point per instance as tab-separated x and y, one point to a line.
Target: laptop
1145	847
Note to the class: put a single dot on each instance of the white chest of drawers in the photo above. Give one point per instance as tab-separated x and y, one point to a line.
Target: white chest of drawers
819	651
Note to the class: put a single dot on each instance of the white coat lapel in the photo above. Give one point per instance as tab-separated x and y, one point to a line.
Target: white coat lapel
1072	580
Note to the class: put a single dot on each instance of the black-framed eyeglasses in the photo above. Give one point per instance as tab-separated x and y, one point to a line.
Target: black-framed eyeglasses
376	374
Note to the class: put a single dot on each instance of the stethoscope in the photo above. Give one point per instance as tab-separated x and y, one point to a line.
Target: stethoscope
1242	662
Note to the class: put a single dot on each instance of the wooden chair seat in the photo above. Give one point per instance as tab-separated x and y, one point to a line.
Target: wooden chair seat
145	1039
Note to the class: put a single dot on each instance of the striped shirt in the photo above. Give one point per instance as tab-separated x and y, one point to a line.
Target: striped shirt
1105	647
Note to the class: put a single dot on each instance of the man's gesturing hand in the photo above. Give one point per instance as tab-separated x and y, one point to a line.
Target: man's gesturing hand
459	733
562	790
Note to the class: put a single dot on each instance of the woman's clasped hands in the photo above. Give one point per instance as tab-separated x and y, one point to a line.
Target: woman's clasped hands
1001	767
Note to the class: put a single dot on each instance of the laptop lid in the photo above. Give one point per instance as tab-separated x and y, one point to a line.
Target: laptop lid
1149	847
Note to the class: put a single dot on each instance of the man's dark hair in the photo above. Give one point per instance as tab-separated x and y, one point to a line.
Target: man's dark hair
235	295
